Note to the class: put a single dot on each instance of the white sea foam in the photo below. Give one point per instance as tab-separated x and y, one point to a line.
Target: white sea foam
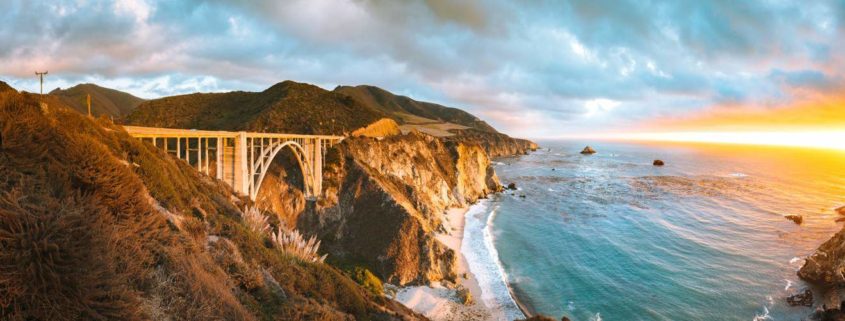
795	260
570	306
764	316
483	260
551	190
788	285
597	317
498	163
738	175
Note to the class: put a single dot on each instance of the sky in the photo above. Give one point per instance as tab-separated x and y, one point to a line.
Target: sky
529	68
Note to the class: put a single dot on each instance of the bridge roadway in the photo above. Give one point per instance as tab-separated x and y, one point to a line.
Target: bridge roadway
242	159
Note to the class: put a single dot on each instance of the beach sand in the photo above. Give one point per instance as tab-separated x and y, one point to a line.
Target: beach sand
440	303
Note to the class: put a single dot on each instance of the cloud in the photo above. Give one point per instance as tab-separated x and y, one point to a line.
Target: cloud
516	64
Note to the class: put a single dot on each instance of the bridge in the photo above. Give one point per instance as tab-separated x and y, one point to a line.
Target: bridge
242	159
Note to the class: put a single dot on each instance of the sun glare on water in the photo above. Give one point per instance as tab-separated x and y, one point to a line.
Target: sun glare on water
834	139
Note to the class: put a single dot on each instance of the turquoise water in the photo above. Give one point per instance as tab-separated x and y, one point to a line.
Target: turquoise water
611	237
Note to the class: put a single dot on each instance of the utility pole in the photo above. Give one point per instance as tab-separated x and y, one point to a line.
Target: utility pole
41	78
89	104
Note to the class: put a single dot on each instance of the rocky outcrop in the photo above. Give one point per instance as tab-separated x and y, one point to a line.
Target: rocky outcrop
658	162
804	298
386	198
797	219
825	266
495	144
588	151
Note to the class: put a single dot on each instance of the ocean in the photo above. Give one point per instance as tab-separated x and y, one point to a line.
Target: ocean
609	236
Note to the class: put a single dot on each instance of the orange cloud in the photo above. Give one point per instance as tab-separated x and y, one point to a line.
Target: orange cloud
819	114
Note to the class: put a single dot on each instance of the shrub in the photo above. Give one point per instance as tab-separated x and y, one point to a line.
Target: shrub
368	281
255	220
294	243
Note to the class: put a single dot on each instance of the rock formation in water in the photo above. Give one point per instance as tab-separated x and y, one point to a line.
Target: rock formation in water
588	150
797	219
658	162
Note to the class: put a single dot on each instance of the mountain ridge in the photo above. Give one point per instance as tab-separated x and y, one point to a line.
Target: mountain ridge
104	101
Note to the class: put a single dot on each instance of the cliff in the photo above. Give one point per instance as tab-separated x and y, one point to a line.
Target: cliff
495	144
95	224
385	199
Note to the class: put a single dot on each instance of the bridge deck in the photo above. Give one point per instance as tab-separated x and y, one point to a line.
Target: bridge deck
148	132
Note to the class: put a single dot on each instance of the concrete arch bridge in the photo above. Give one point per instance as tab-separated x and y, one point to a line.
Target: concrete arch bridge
242	159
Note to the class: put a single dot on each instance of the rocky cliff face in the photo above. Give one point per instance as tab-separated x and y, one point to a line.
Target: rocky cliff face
495	144
826	266
385	199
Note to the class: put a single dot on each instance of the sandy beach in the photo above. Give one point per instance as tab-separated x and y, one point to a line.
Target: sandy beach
440	303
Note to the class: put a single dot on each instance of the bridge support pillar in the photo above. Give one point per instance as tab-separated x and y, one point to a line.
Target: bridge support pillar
242	174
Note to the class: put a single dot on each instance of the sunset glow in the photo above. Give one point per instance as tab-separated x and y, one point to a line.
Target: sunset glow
810	139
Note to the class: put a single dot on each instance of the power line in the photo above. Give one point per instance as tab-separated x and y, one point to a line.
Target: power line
41	78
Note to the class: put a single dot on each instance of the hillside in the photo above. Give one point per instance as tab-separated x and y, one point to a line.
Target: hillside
285	107
5	87
104	101
97	225
407	111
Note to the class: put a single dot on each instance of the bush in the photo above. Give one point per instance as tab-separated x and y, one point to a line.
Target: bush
368	281
291	242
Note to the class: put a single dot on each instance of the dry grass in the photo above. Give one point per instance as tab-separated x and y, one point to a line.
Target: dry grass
291	242
255	220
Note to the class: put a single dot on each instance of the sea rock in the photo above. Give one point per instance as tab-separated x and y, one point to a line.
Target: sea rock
564	319
512	186
801	299
657	162
840	210
588	151
464	296
798	219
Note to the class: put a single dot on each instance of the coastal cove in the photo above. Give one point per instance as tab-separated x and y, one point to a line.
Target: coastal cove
610	236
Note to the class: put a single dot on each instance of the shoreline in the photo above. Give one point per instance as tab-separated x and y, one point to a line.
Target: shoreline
440	303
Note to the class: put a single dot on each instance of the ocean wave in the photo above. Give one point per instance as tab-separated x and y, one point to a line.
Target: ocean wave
764	316
483	260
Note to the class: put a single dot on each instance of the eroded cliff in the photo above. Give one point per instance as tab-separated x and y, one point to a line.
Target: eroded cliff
385	199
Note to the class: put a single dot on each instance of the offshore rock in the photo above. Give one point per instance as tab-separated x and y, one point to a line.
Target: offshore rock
801	299
840	210
512	186
798	219
588	151
658	162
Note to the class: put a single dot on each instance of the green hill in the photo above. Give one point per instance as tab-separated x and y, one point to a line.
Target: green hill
104	101
285	107
408	111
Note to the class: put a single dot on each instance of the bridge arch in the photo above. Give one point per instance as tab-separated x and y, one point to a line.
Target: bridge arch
262	166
